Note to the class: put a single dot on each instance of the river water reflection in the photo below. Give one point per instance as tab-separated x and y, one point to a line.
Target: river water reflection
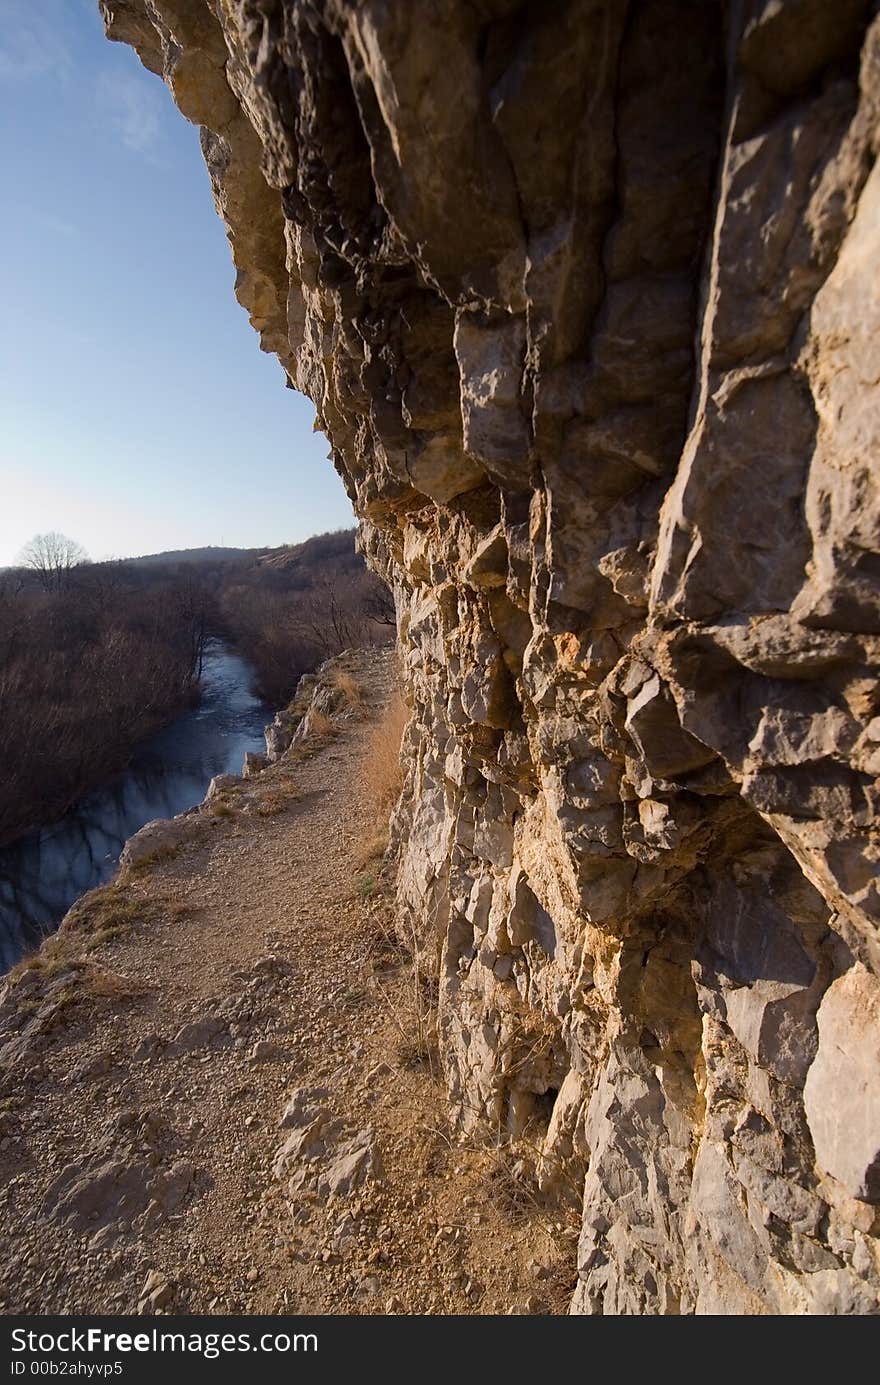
43	873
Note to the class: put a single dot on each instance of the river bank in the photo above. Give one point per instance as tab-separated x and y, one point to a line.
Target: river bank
45	871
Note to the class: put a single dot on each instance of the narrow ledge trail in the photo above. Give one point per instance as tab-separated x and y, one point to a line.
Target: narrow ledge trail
215	1091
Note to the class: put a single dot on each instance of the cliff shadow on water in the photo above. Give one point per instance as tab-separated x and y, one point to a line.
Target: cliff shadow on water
44	872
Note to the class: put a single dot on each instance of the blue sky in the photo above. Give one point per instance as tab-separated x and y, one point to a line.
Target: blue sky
137	412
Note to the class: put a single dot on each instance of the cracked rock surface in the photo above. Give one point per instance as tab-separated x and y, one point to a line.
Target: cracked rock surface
586	297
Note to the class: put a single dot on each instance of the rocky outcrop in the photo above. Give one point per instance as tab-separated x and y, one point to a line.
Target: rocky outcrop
585	295
318	697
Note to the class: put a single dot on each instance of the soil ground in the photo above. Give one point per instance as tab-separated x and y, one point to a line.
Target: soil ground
149	1051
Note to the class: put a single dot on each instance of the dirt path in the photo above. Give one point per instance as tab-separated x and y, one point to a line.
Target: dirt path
150	1055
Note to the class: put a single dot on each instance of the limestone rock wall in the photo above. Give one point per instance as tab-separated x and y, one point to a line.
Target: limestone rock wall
586	296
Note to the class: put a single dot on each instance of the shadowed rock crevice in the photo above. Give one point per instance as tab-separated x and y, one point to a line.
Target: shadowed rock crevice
584	295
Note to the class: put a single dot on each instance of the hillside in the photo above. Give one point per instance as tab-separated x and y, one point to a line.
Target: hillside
210	554
338	546
311	552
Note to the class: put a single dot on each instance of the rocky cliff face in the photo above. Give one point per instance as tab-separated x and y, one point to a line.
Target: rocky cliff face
586	296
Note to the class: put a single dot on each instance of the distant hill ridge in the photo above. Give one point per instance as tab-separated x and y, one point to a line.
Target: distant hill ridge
337	543
210	554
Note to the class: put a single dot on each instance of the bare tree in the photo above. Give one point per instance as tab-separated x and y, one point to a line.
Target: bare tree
52	557
192	602
378	603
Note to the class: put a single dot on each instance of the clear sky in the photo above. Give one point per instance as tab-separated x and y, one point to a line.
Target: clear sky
137	412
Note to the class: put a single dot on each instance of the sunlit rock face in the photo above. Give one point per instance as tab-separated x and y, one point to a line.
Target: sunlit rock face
586	297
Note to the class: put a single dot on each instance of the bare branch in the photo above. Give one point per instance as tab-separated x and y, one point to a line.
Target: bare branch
52	557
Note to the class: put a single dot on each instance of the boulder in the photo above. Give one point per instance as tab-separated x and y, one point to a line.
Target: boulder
842	1091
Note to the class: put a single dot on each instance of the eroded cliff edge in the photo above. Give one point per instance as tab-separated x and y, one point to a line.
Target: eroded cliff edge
586	297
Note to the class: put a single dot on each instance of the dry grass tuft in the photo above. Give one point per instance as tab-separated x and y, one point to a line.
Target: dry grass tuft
321	725
49	961
109	985
419	1047
348	686
100	916
510	1181
298	754
510	1184
103	935
154	858
109	906
69	979
408	996
119	910
276	797
382	769
114	917
371	851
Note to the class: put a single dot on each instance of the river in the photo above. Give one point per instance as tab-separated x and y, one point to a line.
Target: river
42	874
